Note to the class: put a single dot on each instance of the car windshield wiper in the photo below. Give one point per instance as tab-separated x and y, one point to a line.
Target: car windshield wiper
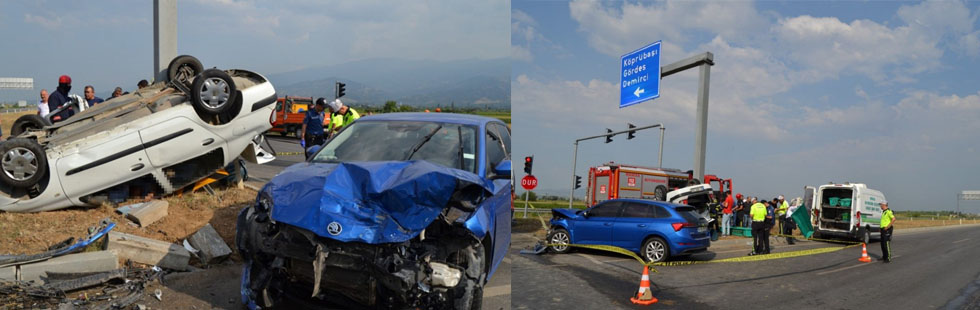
424	140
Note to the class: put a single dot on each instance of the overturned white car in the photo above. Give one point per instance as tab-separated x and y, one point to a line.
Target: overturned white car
155	140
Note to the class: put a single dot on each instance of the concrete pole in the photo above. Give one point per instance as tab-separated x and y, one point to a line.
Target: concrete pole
660	156
701	136
164	37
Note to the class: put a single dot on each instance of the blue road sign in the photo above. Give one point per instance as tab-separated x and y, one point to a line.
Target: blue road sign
640	79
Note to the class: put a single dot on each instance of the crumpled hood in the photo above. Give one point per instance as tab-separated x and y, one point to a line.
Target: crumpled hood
371	202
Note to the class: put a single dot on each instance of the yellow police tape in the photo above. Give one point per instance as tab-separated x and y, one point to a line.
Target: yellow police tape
288	153
755	258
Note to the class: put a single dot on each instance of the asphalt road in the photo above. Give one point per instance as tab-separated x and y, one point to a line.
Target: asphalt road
496	294
932	268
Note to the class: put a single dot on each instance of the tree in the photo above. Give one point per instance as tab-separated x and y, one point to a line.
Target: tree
390	106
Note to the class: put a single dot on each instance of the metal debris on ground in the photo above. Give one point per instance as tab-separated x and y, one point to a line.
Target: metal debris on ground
117	289
95	233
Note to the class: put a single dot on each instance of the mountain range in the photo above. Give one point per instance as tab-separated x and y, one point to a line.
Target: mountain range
424	83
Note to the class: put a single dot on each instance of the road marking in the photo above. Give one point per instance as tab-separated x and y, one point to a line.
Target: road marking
497	291
961	240
590	258
845	268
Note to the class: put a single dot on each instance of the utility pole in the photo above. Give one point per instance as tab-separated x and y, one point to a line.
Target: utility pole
164	37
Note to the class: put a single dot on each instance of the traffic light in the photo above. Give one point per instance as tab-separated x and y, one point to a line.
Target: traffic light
528	161
608	135
578	182
632	133
340	90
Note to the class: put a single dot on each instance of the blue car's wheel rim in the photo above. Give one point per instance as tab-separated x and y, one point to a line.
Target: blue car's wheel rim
559	238
654	251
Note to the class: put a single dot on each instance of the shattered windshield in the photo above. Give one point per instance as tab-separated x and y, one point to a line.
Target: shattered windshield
450	145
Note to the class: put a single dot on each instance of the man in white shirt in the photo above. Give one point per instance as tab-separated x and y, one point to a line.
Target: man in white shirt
42	106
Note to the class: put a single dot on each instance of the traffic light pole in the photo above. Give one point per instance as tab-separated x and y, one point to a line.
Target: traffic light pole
571	192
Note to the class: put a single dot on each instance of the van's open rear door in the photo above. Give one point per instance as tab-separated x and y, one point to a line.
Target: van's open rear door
802	214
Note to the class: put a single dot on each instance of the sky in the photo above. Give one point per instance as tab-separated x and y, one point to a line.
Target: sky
110	43
802	93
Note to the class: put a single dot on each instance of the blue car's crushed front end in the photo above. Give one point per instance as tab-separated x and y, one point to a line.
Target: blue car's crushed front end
407	234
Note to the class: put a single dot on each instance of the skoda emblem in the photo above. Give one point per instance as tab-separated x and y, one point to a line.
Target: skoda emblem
334	228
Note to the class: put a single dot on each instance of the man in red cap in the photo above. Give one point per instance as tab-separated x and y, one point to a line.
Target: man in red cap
59	98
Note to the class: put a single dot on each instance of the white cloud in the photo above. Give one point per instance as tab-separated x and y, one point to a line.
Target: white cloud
572	103
525	38
50	23
825	47
615	30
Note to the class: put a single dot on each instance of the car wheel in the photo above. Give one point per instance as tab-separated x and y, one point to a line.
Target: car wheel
213	92
298	131
866	237
661	193
22	162
559	236
183	68
28	122
284	132
693	182
655	250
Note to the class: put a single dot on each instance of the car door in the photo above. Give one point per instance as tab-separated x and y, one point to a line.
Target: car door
97	167
181	139
597	225
636	222
497	141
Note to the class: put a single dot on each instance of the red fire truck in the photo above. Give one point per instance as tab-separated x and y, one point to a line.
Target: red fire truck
611	181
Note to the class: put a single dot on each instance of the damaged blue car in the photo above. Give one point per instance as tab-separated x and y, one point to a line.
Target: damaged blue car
400	210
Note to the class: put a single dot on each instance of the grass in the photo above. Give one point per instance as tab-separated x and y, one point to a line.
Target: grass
549	204
7	121
504	116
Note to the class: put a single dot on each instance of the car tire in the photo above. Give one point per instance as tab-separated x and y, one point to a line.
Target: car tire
655	250
559	236
693	182
866	236
28	122
22	163
213	92
183	68
661	193
298	132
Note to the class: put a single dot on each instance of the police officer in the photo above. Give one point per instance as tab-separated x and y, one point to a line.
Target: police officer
770	222
340	116
312	131
887	220
758	214
785	227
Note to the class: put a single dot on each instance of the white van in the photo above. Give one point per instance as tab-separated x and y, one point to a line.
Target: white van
849	210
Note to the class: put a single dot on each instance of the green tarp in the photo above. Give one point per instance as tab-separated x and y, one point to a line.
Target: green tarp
802	218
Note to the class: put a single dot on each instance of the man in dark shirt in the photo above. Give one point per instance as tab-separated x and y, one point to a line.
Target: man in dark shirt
312	131
59	98
90	96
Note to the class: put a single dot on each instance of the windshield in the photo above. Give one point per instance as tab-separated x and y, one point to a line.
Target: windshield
450	145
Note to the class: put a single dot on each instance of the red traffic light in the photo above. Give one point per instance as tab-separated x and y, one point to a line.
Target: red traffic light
527	159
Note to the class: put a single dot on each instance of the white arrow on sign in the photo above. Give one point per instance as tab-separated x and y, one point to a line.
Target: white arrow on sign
638	91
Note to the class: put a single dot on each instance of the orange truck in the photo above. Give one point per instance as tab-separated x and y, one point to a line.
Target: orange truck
290	111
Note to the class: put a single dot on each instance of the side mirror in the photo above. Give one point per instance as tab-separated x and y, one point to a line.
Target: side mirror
585	214
502	170
310	151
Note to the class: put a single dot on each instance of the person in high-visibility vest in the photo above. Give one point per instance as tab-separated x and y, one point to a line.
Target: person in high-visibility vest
785	227
340	116
887	226
758	214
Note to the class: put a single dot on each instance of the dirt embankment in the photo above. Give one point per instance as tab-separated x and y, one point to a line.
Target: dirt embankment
35	232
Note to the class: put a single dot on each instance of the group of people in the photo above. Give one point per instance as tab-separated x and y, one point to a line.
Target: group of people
313	131
761	216
60	99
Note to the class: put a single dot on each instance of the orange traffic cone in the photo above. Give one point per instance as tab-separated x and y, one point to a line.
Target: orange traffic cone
864	253
644	296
